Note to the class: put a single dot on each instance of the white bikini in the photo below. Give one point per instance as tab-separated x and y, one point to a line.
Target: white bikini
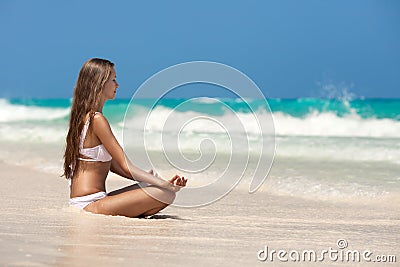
95	154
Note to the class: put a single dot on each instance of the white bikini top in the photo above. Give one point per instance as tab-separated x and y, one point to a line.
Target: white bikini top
97	153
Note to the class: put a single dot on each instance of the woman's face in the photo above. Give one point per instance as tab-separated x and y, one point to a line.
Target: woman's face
110	87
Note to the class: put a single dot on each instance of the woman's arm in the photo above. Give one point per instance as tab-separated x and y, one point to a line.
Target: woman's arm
120	162
115	168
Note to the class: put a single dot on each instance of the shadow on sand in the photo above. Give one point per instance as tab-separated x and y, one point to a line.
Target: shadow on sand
163	217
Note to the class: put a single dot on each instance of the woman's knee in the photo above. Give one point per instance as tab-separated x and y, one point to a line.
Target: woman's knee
171	196
161	194
168	196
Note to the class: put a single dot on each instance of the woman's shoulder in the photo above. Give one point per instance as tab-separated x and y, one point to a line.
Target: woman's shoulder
98	115
99	121
93	116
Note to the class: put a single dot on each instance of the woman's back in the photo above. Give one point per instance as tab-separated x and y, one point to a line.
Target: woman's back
91	176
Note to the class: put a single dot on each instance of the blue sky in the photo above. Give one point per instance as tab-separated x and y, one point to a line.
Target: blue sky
288	48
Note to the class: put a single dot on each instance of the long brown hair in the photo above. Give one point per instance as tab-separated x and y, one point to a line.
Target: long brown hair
87	98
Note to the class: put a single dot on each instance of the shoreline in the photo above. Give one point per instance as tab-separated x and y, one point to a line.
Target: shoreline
40	229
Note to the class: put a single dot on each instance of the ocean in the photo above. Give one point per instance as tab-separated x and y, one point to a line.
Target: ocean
334	180
325	149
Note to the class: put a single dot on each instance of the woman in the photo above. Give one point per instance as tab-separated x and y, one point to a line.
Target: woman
92	151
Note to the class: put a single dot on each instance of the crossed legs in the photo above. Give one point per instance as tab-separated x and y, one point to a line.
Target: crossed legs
133	201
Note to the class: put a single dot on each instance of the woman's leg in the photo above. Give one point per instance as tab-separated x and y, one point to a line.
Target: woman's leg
134	202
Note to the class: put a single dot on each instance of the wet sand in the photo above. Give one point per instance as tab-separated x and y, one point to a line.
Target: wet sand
39	229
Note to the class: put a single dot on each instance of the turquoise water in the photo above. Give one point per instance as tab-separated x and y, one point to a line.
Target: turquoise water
375	118
324	147
365	108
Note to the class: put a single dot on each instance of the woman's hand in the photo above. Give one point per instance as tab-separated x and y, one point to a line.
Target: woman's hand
176	183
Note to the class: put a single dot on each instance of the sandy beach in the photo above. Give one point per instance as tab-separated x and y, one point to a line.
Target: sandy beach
39	229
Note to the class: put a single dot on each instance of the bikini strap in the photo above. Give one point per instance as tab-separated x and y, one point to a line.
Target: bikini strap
84	131
84	159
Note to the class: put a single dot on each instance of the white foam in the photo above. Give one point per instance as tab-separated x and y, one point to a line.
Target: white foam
329	124
342	149
163	119
307	187
13	112
324	124
317	135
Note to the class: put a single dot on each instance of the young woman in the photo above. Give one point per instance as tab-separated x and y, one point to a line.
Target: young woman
92	151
